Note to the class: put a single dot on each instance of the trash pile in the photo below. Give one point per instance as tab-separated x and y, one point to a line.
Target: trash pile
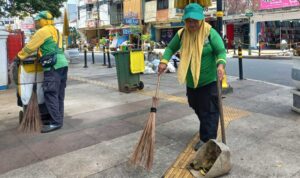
204	165
211	160
151	66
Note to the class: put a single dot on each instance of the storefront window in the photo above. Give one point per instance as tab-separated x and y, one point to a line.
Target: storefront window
162	4
276	31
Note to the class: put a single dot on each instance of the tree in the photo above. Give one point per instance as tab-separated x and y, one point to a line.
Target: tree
136	33
232	7
23	8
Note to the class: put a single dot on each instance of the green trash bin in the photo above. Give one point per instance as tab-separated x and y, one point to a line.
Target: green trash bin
127	81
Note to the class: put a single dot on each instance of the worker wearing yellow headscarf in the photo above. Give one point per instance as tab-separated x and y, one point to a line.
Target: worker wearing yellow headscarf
48	40
202	56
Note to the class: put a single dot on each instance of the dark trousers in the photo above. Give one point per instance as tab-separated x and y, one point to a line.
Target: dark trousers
54	85
204	101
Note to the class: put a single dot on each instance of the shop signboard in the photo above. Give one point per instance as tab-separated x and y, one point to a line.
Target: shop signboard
27	23
273	4
131	21
126	31
177	24
248	13
91	23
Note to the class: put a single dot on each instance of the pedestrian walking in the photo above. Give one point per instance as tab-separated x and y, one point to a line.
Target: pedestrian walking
48	41
225	39
202	57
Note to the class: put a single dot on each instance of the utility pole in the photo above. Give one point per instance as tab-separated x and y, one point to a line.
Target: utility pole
226	88
219	15
98	20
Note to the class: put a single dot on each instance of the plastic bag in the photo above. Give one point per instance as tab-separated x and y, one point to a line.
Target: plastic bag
171	68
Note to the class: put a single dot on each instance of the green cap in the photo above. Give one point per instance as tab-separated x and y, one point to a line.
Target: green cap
193	11
44	15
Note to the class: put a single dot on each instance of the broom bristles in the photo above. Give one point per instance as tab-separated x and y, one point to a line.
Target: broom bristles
144	152
31	121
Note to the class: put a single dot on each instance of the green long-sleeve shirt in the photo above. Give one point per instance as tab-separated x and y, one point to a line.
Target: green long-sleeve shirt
213	54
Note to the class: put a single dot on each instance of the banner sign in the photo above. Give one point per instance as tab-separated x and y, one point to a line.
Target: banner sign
273	4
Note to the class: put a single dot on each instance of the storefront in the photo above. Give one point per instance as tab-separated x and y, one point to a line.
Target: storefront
273	32
276	25
237	31
165	32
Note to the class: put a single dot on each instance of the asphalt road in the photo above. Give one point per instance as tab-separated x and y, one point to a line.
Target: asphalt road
274	71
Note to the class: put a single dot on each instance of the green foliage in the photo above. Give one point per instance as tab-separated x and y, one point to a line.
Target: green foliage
74	35
23	8
146	37
102	41
136	31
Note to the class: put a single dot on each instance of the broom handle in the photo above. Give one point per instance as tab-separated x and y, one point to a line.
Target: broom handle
219	86
36	68
157	86
154	103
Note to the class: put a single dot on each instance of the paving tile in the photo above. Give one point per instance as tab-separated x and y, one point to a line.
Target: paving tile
61	144
8	140
237	172
33	170
181	130
111	130
286	138
246	89
165	112
16	157
266	159
163	156
249	133
93	159
98	116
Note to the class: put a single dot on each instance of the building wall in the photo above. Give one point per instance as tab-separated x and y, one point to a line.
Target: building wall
132	8
104	15
150	11
162	15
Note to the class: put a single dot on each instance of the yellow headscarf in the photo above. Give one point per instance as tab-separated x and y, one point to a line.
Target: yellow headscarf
191	52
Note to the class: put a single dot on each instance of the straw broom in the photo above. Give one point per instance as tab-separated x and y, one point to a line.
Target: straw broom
31	121
144	152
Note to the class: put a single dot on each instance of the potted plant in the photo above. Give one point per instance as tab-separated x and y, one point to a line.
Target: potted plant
146	41
136	33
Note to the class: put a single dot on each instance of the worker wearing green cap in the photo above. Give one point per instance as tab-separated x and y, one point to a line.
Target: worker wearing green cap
202	57
48	41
